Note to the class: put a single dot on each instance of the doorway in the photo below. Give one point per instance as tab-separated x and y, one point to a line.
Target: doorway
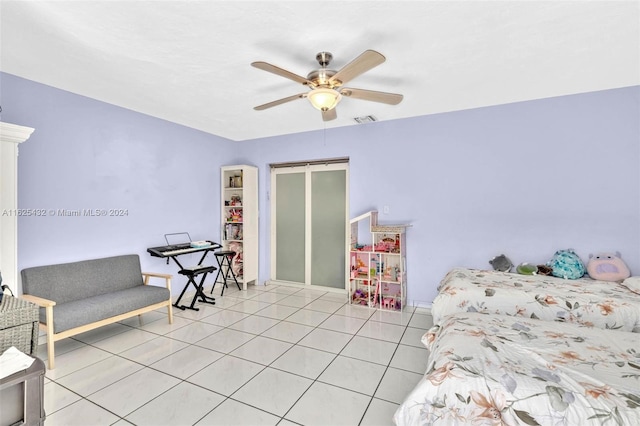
309	223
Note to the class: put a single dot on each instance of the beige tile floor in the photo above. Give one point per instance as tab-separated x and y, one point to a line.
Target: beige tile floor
271	355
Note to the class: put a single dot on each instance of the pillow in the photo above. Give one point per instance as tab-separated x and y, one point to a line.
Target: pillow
607	267
633	284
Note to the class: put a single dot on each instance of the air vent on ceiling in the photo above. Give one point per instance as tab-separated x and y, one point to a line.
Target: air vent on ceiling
365	119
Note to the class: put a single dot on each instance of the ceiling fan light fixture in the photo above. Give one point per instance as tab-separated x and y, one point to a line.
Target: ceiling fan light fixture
323	98
325	86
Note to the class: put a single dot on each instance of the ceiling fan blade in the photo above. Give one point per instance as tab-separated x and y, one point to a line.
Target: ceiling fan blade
280	101
363	63
329	115
372	95
281	72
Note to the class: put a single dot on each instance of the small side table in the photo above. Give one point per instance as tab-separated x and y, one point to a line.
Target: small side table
22	399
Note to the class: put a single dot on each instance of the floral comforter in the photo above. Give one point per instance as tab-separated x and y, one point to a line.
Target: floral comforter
586	302
502	370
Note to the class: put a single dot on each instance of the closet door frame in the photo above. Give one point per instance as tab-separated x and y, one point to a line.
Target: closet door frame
307	168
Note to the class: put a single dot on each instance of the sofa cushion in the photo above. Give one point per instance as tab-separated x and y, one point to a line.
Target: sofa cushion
67	282
81	312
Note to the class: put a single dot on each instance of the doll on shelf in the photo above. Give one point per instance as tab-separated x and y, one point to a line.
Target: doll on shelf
235	215
387	273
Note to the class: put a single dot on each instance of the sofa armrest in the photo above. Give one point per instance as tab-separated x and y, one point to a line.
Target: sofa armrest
157	274
48	305
40	301
167	278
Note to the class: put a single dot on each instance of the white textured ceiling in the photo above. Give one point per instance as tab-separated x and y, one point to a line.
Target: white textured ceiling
189	61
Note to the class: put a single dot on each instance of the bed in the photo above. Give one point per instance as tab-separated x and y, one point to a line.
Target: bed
585	302
498	369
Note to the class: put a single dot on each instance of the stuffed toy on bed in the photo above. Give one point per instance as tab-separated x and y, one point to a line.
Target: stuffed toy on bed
501	263
566	264
607	267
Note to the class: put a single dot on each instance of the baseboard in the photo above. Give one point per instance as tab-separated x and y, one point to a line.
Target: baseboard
421	305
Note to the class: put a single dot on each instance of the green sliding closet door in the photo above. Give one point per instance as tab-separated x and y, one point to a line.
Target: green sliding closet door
328	204
290	227
309	221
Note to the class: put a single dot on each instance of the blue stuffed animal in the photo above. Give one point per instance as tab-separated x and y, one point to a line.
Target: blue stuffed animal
566	264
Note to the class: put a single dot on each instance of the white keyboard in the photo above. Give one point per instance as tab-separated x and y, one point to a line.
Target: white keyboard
176	250
180	251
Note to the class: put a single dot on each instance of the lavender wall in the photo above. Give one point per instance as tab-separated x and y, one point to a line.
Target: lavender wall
522	179
86	154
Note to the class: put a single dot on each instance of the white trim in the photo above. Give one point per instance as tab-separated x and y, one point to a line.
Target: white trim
307	287
307	168
419	304
11	135
14	133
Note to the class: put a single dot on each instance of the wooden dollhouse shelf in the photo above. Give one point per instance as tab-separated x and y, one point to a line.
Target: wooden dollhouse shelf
390	228
377	263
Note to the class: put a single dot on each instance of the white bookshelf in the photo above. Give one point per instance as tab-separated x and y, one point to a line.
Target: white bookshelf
239	217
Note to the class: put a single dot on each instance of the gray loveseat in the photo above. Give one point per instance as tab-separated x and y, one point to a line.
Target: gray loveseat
80	296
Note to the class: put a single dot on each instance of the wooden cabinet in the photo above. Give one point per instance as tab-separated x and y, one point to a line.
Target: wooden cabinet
239	216
377	263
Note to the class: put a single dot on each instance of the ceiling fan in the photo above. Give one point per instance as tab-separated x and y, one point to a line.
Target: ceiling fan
327	85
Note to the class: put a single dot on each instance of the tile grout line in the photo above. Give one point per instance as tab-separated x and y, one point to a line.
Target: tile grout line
264	367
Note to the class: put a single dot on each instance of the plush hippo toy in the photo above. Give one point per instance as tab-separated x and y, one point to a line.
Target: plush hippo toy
607	267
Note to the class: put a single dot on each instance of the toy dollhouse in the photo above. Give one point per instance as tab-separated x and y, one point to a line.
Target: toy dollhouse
377	263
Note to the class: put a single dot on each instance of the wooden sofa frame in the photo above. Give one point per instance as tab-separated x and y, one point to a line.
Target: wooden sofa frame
54	337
